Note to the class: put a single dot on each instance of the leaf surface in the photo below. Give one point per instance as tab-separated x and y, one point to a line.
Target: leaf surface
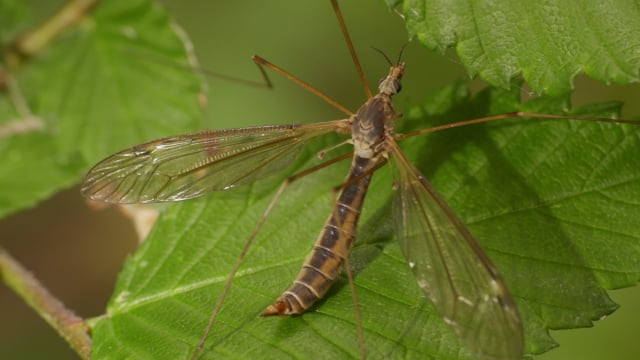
97	89
551	202
548	43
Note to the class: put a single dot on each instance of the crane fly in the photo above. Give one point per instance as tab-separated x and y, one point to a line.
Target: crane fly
449	266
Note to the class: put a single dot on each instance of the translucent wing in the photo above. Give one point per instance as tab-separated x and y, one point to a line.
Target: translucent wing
188	166
452	270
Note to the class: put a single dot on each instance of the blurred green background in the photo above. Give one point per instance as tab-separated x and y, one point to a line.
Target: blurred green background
77	252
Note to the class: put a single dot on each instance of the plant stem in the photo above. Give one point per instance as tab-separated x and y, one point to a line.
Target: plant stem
70	326
33	41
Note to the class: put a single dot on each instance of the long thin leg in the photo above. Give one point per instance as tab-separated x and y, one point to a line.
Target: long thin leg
262	62
356	308
249	241
352	51
516	114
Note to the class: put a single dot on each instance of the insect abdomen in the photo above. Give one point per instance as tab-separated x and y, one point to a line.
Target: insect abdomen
323	264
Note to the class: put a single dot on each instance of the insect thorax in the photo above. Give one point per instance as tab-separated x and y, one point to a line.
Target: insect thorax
371	125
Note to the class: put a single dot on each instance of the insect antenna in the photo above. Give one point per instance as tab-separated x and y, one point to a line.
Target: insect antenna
385	55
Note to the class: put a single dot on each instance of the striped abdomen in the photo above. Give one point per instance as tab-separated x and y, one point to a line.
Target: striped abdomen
323	264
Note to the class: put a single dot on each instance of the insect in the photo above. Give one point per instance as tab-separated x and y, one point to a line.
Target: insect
456	275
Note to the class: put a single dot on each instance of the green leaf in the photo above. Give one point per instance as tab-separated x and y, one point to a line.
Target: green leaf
32	171
547	43
102	87
550	201
98	89
29	169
